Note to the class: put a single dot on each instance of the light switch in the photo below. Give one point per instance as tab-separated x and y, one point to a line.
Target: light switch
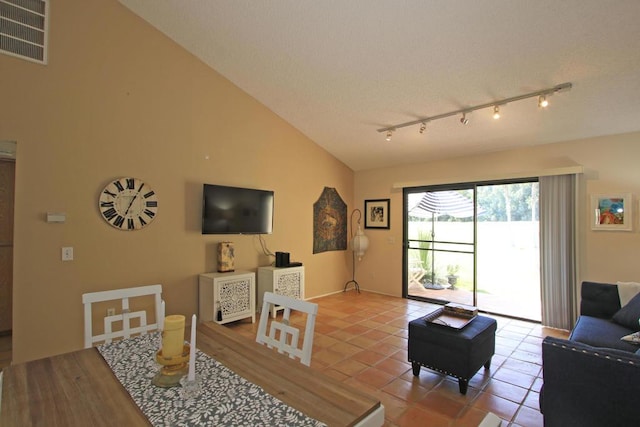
67	254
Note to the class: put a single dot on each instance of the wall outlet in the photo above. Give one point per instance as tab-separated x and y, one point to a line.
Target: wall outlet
111	311
67	254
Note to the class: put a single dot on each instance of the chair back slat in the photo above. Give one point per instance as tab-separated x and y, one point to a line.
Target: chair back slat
281	334
125	317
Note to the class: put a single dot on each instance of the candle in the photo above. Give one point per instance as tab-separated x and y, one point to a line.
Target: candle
192	352
173	336
160	322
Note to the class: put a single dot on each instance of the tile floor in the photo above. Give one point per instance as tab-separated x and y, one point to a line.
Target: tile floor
361	339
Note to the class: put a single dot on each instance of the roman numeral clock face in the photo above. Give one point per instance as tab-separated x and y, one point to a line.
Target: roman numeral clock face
128	204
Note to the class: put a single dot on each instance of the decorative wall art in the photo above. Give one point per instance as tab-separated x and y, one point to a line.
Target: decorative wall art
612	212
376	214
329	222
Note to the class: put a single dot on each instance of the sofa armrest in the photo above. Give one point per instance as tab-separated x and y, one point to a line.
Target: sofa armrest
599	300
588	386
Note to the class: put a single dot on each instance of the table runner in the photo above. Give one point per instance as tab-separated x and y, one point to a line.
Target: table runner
226	399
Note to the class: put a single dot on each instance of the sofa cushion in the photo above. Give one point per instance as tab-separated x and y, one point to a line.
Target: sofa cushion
598	332
626	291
599	300
628	315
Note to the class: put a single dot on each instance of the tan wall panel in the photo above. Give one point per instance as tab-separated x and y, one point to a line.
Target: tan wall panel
120	99
610	165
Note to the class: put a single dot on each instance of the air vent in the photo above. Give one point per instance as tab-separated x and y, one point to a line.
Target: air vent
23	29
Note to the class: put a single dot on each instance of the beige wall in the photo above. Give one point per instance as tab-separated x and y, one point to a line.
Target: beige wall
610	164
119	99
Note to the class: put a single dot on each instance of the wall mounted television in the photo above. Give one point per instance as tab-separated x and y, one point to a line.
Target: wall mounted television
236	210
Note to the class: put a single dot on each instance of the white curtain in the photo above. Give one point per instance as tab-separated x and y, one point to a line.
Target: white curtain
558	250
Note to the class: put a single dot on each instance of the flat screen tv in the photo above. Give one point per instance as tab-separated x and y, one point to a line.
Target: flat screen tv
235	210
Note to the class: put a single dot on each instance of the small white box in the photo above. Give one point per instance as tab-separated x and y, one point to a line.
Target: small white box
56	217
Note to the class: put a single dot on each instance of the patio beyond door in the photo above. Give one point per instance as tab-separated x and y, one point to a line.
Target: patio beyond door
475	245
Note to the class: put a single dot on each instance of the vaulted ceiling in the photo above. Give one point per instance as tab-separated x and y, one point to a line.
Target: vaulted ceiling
339	70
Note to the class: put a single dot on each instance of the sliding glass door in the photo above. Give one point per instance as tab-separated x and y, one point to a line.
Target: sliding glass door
476	244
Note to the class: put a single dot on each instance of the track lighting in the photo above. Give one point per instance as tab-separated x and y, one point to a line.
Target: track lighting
542	103
496	112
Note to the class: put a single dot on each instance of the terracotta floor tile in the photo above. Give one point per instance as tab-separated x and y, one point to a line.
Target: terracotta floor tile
325	341
526	356
532	400
513	377
326	356
369	357
339	323
416	416
504	408
450	389
342	335
401	355
362	341
356	329
427	379
524	367
350	367
507	391
368	322
384	348
394	367
405	390
397	341
441	404
527	417
531	347
471	417
346	348
374	377
393	407
376	334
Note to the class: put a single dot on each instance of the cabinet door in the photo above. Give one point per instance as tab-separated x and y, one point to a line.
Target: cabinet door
233	296
288	283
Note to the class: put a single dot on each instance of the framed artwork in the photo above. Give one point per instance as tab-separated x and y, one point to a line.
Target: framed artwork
376	213
612	212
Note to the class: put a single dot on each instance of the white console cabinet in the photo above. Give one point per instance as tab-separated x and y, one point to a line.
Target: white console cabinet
288	281
225	297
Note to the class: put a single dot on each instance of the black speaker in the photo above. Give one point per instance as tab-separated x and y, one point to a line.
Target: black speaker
282	259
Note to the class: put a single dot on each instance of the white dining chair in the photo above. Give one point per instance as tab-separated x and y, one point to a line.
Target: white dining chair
281	334
124	315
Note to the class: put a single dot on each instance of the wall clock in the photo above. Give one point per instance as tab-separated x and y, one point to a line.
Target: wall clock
128	204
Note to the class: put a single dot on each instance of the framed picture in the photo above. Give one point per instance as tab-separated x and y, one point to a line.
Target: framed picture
612	212
376	213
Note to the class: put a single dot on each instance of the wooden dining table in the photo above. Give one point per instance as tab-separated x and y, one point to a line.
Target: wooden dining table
80	389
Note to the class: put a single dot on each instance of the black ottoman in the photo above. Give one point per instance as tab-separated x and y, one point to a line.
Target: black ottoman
456	352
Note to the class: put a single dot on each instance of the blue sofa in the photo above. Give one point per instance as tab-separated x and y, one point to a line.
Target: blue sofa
593	378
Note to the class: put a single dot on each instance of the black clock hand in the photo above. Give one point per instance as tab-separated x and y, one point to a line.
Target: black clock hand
132	200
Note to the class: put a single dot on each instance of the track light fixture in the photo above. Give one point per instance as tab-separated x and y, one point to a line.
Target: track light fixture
496	112
542	95
543	102
464	119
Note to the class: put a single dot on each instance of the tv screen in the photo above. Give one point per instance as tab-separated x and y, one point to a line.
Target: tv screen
234	210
